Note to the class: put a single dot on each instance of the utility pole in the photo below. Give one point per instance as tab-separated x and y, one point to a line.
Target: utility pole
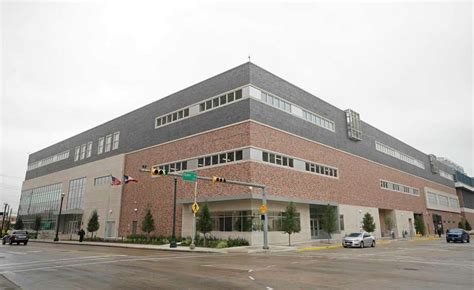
3	218
173	237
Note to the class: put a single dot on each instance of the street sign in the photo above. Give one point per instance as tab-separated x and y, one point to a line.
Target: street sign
263	209
195	207
190	176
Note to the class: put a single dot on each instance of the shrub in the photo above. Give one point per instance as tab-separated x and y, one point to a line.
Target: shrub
222	244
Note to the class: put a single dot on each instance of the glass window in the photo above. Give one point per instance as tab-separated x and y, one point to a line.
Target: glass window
238	94
89	149
184	165
215	159
200	162
202	107
180	114
163	120
341	222
222	158
116	140
207	161
230	97
215	102
265	156
272	158
175	116
278	159
158	122
83	151
285	161
178	166
443	200
108	143
169	118
76	153
208	104
432	198
223	99
186	112
230	156
238	155
290	162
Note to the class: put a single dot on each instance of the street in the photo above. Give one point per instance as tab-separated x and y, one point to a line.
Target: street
399	265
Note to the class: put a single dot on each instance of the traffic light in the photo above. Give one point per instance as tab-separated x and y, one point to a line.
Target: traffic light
156	172
218	179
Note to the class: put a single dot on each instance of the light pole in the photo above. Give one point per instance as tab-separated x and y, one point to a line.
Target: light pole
3	217
59	217
173	236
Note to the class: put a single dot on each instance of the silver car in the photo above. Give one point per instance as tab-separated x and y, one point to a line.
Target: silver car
360	240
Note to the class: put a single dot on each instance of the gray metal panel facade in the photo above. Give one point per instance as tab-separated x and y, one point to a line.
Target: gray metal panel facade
137	128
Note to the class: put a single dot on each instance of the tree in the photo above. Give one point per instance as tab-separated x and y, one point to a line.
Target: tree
93	224
7	227
388	222
291	221
148	224
19	224
368	223
204	224
420	225
329	220
467	226
37	225
461	224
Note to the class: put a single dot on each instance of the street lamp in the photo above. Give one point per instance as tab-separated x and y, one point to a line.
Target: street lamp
173	236
59	217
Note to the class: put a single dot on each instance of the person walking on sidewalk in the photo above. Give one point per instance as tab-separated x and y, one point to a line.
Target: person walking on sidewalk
81	234
439	229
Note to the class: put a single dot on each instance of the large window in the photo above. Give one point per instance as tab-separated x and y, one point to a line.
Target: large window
89	149
51	159
399	187
40	199
83	151
443	200
220	100
172	117
103	180
77	151
245	221
100	145
76	193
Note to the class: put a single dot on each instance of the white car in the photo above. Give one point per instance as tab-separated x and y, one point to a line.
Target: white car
360	240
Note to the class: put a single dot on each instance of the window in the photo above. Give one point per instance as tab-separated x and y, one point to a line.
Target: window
398	187
443	200
321	169
100	146
446	175
83	151
175	166
432	198
76	193
116	140
108	143
341	222
383	184
89	149
49	160
453	202
103	180
399	155
77	150
245	221
354	130
277	159
220	158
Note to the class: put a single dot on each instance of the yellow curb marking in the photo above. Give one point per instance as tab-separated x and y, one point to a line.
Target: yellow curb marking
319	248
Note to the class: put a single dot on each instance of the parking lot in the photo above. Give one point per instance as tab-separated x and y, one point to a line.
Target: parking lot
398	265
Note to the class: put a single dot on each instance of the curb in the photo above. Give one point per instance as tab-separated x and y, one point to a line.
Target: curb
319	248
136	246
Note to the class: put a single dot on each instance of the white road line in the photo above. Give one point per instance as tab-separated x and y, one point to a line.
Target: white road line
269	288
15	253
250	270
108	262
61	260
251	278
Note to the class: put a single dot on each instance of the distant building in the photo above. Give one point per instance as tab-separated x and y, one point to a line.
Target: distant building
454	166
243	124
465	190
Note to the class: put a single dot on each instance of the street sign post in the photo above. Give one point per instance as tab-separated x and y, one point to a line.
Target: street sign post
190	176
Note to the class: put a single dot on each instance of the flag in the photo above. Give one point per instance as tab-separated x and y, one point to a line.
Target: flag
128	179
115	181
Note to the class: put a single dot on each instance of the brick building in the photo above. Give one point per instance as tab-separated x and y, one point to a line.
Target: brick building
244	124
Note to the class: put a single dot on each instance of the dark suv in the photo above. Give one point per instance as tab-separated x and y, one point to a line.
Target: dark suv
457	235
16	237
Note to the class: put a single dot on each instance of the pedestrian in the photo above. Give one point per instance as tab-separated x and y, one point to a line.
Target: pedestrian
439	230
81	234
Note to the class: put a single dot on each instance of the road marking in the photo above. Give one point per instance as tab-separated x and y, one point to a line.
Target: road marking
269	288
109	262
16	253
251	278
250	270
60	260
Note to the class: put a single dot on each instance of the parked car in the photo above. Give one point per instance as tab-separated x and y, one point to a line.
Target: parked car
457	235
17	236
361	240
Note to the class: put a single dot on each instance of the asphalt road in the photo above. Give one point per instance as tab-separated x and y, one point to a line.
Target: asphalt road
400	265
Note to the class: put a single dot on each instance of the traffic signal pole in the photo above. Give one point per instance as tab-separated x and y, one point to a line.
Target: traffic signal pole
234	182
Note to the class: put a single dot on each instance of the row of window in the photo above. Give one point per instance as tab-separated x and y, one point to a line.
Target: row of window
172	117
442	200
245	221
399	155
276	102
40	199
354	130
446	175
83	151
318	120
221	100
220	158
108	142
174	167
49	160
399	187
321	169
277	159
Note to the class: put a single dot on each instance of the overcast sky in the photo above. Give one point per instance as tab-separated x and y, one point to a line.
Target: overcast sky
406	68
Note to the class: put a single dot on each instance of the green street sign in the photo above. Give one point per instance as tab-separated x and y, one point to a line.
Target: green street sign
190	176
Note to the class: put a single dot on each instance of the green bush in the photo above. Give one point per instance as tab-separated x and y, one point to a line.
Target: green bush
222	244
213	242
